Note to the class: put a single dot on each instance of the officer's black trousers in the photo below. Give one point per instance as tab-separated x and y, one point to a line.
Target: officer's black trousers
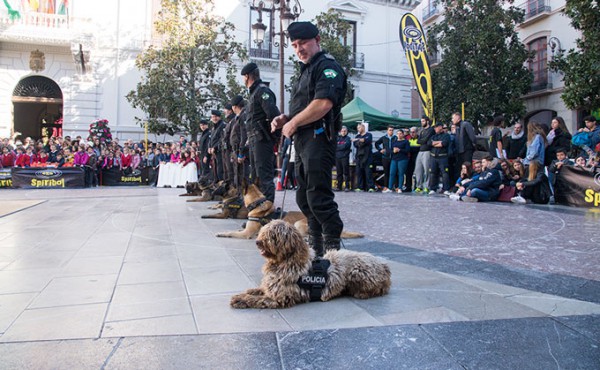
264	166
315	157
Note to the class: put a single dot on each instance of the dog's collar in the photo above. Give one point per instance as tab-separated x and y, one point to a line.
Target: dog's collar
256	203
316	278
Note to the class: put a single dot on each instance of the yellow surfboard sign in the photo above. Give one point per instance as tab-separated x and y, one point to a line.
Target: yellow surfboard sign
412	37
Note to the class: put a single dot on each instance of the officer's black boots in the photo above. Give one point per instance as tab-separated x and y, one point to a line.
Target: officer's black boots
316	243
331	244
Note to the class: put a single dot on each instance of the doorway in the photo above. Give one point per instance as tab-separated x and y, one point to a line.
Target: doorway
37	108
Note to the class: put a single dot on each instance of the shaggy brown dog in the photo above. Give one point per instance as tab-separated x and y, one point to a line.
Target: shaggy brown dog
261	212
288	257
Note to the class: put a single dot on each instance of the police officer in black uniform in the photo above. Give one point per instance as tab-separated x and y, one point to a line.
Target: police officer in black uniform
238	140
314	121
215	148
260	111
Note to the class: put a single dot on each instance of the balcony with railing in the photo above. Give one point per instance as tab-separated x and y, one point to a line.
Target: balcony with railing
535	10
542	82
39	28
430	13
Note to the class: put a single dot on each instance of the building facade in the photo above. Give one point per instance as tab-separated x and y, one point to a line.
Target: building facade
65	64
545	31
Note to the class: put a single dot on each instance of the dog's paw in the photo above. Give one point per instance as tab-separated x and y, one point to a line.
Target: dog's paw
238	302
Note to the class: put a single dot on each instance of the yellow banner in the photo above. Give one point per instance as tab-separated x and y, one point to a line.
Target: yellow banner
412	37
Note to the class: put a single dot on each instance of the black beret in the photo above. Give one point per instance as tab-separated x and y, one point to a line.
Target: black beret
237	101
228	106
249	68
215	112
438	123
302	31
203	122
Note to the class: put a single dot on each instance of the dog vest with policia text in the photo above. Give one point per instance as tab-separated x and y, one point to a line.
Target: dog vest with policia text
316	279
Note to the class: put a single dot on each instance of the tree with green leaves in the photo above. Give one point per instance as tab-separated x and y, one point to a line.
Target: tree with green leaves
332	29
483	61
182	77
581	68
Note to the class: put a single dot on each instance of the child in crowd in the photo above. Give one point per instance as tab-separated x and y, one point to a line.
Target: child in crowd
22	159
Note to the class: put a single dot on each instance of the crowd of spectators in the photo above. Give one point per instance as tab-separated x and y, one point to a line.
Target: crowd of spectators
95	156
518	165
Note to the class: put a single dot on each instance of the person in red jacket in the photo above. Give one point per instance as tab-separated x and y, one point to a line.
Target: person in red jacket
126	160
23	159
8	158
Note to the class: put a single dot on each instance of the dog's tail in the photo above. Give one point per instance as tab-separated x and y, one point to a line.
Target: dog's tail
351	235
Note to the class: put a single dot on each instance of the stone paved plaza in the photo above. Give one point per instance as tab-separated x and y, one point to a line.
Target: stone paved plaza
119	278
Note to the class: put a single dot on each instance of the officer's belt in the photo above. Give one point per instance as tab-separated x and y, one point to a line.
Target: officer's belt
316	279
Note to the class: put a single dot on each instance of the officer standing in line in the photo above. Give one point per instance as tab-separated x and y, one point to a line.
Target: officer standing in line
225	145
215	144
203	145
314	122
237	140
260	111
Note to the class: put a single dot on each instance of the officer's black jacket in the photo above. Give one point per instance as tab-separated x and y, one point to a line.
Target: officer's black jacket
262	108
238	136
321	78
203	144
215	136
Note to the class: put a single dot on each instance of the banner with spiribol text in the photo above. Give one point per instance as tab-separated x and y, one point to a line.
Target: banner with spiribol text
414	44
577	187
47	177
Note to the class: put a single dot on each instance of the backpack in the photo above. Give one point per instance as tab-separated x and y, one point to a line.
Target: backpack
581	139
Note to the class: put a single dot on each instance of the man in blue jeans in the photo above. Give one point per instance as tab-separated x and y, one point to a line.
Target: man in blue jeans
486	188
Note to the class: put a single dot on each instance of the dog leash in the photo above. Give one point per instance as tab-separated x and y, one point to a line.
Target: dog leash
283	177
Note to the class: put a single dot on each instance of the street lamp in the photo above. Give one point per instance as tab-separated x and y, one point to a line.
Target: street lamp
289	10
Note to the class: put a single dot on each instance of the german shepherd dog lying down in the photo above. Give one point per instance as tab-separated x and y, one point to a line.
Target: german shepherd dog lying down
232	205
207	191
261	211
292	276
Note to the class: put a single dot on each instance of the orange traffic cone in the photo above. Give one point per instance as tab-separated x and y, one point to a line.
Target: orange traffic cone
279	187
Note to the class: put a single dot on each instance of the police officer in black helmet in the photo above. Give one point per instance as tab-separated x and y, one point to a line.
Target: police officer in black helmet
260	111
314	121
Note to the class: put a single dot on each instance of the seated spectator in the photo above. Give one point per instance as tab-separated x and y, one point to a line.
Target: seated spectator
588	165
535	188
8	158
22	159
485	188
464	177
518	172
507	172
593	130
556	164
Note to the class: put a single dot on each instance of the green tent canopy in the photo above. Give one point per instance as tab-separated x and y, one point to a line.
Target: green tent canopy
357	110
